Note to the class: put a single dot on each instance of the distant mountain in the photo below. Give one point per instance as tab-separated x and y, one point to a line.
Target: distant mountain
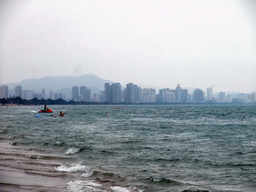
57	83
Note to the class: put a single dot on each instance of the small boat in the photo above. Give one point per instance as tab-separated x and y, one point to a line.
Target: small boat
47	111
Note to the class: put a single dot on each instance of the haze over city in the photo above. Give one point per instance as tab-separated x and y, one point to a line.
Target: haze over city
159	44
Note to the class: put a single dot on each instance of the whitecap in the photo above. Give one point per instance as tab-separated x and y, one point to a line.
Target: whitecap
122	189
80	186
72	151
87	174
72	168
119	189
33	111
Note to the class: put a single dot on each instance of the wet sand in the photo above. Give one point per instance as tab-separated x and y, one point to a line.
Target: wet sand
29	170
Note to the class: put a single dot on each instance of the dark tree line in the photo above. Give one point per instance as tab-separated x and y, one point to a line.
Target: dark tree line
35	101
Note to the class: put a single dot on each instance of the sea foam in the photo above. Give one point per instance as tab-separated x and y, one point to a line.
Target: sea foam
72	151
122	189
72	168
80	186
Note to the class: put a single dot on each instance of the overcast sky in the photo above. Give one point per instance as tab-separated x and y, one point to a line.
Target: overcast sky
196	43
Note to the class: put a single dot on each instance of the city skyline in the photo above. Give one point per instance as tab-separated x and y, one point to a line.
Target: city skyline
132	94
157	87
194	43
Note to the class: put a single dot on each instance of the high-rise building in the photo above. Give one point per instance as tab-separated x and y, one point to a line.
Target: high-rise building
116	93
129	93
43	93
56	96
96	97
4	91
221	96
184	95
75	93
86	94
135	93
103	97
51	94
108	92
209	94
161	96
61	96
18	91
139	95
148	95
198	95
27	94
178	94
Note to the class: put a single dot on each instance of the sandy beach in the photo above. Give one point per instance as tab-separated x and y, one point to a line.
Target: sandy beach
25	170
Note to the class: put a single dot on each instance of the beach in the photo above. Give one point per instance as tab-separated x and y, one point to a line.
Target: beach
128	149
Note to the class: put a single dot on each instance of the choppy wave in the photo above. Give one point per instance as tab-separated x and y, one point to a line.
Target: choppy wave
88	173
123	189
80	186
72	151
89	186
163	181
71	168
134	148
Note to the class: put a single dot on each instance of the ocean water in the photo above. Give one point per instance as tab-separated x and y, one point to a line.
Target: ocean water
129	148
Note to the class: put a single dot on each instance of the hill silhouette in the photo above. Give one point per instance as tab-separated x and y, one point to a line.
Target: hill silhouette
57	83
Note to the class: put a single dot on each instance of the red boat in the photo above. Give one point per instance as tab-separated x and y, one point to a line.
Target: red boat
47	111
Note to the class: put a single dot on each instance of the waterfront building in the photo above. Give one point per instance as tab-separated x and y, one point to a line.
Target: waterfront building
190	97
149	95
96	97
198	95
56	96
135	93
27	94
18	91
221	97
178	94
209	94
116	93
184	95
51	94
4	90
113	93
79	98
167	97
161	96
129	93
75	93
103	97
61	96
86	94
108	92
43	93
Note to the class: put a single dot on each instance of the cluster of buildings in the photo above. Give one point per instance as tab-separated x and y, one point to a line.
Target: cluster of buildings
81	94
29	94
132	94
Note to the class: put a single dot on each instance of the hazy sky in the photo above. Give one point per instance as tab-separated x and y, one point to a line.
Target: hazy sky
196	43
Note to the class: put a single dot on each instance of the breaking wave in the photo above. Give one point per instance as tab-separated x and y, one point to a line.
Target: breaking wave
72	168
72	151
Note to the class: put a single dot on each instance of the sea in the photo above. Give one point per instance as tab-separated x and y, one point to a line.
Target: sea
128	148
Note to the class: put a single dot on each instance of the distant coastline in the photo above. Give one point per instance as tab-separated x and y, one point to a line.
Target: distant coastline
18	101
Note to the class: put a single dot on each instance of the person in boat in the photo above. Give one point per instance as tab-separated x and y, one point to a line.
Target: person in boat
45	108
61	114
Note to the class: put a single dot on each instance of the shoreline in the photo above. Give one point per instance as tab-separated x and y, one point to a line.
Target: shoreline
24	171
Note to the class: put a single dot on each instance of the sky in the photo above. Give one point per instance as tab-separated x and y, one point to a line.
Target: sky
199	43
